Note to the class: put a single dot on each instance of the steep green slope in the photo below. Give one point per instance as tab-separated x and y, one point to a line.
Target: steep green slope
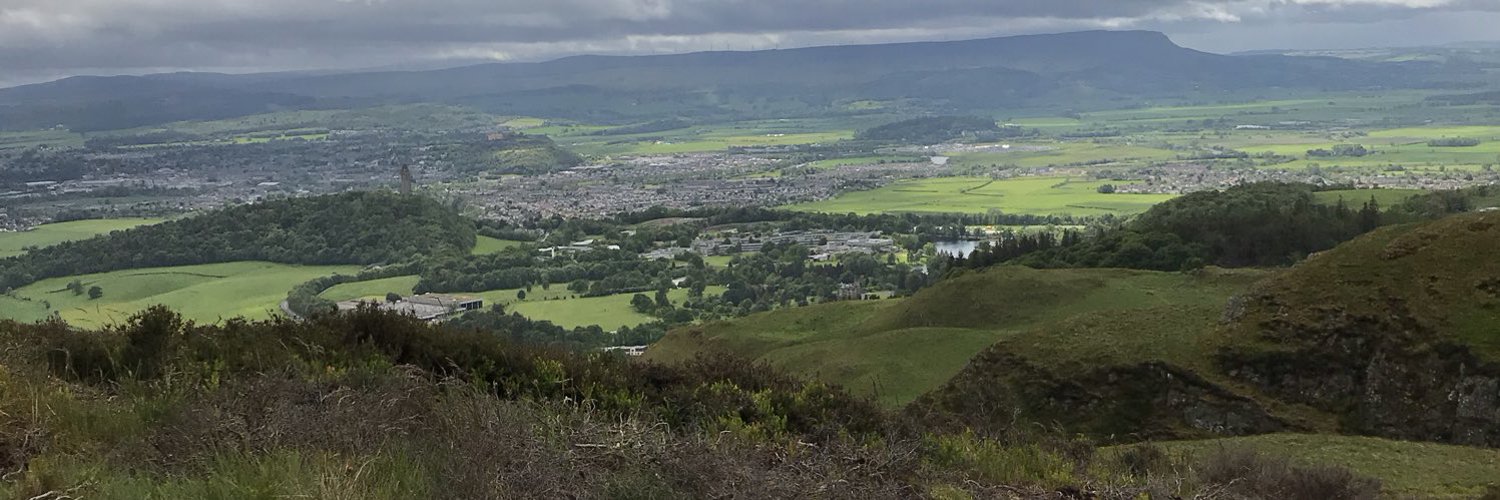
897	350
1397	332
1392	334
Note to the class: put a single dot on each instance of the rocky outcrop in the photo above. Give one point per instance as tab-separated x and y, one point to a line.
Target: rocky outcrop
1397	333
1382	386
1153	400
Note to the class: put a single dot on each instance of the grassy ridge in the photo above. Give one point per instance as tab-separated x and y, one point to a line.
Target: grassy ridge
897	350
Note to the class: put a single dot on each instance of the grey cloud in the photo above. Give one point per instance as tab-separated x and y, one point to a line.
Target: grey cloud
62	36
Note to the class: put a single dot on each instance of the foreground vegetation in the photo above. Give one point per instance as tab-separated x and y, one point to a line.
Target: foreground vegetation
373	405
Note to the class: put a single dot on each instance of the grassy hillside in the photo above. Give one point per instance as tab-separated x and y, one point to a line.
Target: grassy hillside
897	350
1405	469
1414	309
204	293
1391	334
45	235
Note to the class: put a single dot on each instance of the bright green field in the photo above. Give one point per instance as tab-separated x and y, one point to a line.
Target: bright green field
1027	195
372	288
1405	469
15	243
1063	153
556	304
609	312
487	245
204	293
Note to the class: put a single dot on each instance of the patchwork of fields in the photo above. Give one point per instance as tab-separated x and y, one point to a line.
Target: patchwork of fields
556	304
1028	195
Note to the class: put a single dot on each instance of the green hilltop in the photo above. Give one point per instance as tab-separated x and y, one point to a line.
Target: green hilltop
1124	355
897	350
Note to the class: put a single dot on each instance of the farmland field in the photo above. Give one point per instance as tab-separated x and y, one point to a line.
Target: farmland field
1357	197
1063	153
204	293
1027	195
401	285
555	304
487	245
702	138
15	243
54	138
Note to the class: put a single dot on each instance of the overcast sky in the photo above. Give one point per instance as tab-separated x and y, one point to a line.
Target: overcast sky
46	39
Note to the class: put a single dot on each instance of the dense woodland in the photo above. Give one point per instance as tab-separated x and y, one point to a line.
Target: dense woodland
351	228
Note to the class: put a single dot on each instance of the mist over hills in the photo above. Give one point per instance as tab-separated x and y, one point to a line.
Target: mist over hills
1080	69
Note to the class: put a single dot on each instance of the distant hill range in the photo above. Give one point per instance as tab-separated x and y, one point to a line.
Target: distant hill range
1073	69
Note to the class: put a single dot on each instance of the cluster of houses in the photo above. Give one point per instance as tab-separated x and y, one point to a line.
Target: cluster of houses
824	244
432	307
574	247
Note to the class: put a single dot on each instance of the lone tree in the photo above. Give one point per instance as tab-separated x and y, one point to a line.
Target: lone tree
521	295
641	303
95	292
392	297
76	287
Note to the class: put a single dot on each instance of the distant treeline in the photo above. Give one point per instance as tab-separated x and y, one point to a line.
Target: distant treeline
350	228
932	130
1453	142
